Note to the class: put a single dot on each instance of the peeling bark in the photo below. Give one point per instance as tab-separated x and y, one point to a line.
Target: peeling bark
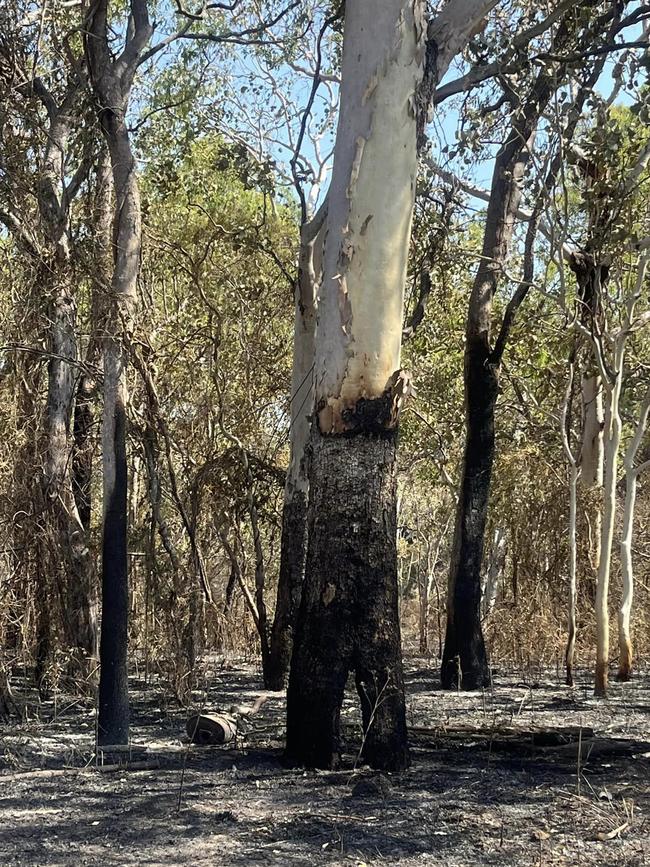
348	615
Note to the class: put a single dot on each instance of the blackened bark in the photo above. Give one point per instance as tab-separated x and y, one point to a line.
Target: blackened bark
113	723
292	570
7	705
464	659
82	460
112	79
348	618
82	594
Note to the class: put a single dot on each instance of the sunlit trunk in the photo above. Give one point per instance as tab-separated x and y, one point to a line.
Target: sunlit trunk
631	477
612	445
348	617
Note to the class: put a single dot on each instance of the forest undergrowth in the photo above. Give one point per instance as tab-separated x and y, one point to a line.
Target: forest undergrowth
481	789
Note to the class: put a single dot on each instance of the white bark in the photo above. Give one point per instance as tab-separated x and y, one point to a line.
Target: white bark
493	574
631	476
612	445
370	207
574	472
612	376
372	194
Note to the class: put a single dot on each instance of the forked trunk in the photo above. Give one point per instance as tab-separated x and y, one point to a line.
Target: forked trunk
112	80
113	723
464	658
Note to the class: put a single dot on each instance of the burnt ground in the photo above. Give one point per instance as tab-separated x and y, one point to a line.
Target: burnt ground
480	791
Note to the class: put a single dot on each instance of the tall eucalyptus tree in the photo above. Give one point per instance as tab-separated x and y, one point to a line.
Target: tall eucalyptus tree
348	619
112	81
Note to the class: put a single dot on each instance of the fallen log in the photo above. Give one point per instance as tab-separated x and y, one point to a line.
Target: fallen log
211	729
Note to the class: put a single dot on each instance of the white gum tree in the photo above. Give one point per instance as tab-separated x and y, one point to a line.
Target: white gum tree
610	352
112	81
632	472
392	58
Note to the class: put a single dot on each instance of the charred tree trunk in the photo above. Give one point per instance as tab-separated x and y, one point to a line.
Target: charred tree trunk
464	658
113	726
112	80
293	545
293	557
348	616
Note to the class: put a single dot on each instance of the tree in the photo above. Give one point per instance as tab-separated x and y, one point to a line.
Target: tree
293	551
464	660
348	617
112	80
49	107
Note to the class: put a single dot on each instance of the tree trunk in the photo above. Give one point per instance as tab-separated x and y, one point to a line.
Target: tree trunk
631	477
293	546
292	569
573	587
348	617
73	572
464	658
112	80
625	610
84	417
113	725
493	573
424	583
612	443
